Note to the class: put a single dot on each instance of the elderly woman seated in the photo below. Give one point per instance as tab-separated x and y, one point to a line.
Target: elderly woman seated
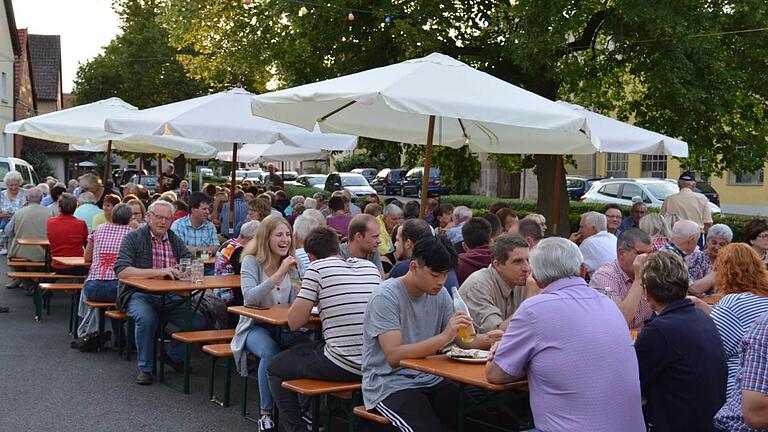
682	363
700	262
11	200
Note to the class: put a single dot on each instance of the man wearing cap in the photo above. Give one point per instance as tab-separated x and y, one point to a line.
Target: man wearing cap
687	204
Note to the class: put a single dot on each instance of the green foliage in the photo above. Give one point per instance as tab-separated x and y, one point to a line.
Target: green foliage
358	161
138	66
39	161
292	191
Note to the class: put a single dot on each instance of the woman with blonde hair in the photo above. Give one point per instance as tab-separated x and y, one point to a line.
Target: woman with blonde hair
268	276
743	280
656	227
540	220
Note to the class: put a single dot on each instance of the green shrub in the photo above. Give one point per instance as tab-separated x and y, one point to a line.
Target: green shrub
306	192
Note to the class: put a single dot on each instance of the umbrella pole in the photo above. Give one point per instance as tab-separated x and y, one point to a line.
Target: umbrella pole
141	168
558	174
282	172
231	227
107	159
427	167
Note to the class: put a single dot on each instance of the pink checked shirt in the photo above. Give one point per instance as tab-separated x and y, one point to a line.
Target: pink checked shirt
162	253
611	275
106	239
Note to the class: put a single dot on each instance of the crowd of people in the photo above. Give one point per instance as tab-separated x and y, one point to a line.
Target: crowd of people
555	311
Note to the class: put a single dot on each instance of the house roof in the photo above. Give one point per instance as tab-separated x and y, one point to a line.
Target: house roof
12	26
45	54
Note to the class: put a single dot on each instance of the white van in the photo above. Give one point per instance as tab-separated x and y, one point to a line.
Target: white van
26	170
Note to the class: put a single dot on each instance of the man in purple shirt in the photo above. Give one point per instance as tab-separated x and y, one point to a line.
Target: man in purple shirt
572	343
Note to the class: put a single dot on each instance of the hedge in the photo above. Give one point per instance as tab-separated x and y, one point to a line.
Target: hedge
481	204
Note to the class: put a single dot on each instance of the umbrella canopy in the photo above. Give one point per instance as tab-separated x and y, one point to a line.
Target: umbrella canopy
618	137
277	152
83	128
395	103
223	117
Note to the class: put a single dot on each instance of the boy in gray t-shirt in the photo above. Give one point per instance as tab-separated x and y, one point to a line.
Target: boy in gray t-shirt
412	317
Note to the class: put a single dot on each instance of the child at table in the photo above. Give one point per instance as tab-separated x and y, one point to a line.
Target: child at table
412	317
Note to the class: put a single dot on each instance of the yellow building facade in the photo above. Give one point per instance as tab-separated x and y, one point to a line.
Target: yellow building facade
739	194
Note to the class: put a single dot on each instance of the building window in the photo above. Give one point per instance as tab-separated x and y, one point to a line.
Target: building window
654	166
4	89
753	178
616	165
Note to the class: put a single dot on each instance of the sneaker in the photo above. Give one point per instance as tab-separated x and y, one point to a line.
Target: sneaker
3	251
144	378
306	416
266	424
16	283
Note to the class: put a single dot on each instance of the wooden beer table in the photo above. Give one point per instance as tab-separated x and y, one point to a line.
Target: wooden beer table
465	374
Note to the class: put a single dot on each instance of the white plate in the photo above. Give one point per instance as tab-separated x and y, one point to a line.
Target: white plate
470	360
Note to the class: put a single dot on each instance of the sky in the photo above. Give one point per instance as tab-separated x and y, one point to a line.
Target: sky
85	26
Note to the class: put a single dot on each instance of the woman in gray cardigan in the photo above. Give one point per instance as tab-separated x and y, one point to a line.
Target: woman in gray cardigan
268	276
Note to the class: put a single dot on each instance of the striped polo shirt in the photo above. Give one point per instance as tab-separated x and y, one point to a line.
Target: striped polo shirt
733	315
341	290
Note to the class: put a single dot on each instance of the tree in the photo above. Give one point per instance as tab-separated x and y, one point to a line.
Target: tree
687	68
139	65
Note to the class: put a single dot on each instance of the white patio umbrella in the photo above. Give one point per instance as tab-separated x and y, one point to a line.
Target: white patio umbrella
401	102
83	128
278	151
223	117
615	136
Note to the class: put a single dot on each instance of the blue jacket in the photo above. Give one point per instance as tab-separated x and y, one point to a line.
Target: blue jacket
683	370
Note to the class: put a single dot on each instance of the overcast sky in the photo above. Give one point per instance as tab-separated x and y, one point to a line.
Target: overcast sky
85	26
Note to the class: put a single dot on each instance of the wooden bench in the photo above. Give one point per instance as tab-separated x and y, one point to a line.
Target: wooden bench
203	336
73	289
36	276
373	416
322	388
124	338
14	262
217	351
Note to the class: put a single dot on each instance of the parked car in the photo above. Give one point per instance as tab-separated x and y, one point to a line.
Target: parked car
412	183
579	185
148	181
388	181
354	183
705	189
206	172
316	181
289	178
368	173
122	176
256	175
27	171
652	191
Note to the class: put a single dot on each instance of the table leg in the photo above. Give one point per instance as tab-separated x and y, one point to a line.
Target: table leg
161	337
460	423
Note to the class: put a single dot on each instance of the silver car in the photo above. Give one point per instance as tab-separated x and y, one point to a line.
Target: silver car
651	190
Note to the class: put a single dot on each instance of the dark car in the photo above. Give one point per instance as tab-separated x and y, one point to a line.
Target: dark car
122	176
579	185
388	181
412	183
708	191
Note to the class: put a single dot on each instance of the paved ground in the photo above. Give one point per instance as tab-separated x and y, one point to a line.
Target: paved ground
47	386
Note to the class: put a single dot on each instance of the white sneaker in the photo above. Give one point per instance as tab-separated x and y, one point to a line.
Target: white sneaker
3	251
266	424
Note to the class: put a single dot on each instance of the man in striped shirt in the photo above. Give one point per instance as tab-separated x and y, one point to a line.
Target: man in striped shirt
341	290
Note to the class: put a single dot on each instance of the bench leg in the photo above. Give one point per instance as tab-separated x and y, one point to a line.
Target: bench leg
228	381
102	320
129	334
212	379
47	301
38	299
315	414
187	360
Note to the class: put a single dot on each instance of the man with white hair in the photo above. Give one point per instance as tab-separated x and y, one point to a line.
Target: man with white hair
461	215
687	204
30	222
559	370
598	246
166	250
91	183
684	238
87	209
391	216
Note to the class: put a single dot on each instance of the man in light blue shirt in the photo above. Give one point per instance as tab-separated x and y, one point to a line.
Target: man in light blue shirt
461	214
195	229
